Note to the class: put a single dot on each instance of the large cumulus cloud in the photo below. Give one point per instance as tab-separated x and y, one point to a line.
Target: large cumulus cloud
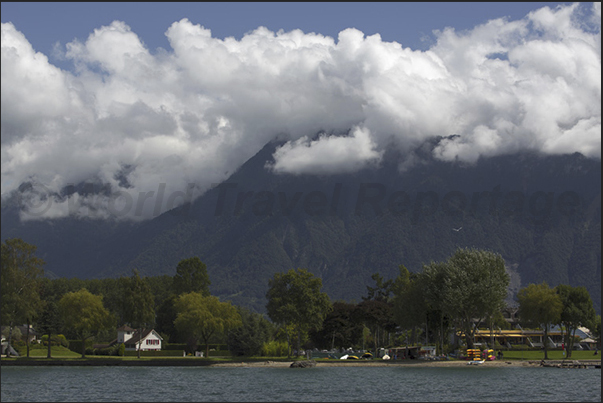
175	121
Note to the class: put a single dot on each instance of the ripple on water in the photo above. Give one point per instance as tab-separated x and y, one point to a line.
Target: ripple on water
328	384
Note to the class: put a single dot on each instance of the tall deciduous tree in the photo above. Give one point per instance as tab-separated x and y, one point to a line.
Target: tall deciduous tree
410	306
578	310
20	276
596	330
435	276
474	288
166	315
294	298
377	316
541	305
49	321
250	337
139	304
382	290
339	329
84	313
376	309
191	276
202	317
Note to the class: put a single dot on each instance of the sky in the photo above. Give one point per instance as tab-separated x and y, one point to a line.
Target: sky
176	96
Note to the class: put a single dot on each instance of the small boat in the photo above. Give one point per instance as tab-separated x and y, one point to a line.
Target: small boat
477	362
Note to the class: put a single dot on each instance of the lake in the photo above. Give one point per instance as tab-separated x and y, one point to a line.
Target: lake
335	384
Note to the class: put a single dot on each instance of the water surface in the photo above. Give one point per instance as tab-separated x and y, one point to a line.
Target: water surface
325	384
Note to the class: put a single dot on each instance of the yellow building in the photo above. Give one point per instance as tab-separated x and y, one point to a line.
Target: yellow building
509	338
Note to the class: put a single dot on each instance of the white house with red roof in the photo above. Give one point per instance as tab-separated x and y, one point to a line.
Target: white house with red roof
135	339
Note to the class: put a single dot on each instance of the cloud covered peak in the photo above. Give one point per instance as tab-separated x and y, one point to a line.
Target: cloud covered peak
189	116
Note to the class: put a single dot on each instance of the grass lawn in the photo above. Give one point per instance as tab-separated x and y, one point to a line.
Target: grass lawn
56	351
553	355
60	352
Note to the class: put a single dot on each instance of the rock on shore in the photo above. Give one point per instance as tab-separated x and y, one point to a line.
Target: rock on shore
303	364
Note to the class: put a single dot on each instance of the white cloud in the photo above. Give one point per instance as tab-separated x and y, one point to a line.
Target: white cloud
327	155
193	114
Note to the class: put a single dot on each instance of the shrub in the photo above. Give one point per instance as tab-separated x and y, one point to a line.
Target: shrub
55	340
161	353
174	346
101	351
275	349
62	340
76	346
112	350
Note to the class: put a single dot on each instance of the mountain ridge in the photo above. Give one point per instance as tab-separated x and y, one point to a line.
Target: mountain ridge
343	228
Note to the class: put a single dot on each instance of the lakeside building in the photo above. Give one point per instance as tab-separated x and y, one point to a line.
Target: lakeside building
529	337
133	340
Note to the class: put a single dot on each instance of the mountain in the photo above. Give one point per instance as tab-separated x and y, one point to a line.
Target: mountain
541	213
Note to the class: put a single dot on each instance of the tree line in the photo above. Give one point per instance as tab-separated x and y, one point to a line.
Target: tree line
457	296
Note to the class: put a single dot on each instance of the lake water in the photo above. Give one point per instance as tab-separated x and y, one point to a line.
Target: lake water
336	384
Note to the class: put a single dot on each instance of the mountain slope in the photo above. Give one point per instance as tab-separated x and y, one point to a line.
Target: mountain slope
541	213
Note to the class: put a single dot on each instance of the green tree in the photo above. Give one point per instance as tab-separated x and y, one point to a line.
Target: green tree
191	276
376	310
474	288
382	290
50	323
16	333
578	310
339	329
596	330
84	313
409	302
540	305
250	337
434	278
377	316
139	301
294	298
202	317
20	277
161	287
166	315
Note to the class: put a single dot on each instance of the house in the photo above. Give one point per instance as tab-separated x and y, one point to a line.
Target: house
143	339
22	331
146	339
124	333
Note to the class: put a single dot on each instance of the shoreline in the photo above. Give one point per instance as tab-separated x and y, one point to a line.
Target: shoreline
415	363
287	363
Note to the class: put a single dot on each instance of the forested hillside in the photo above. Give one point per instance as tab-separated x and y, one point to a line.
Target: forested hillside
541	213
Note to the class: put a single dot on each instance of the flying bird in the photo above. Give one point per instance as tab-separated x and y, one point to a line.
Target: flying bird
457	229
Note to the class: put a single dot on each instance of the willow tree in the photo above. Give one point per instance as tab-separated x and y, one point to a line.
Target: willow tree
84	313
20	277
541	305
201	317
295	298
